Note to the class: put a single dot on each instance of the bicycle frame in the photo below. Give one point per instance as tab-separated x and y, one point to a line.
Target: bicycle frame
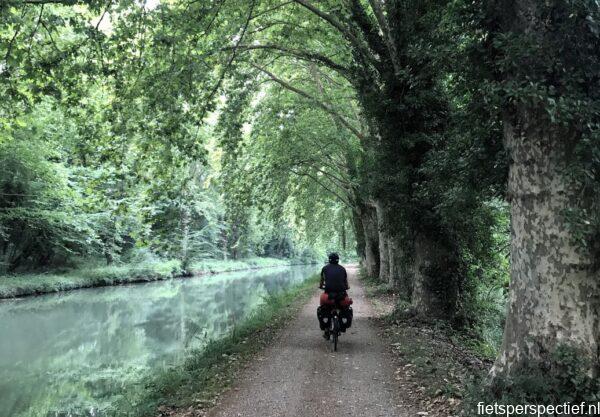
334	327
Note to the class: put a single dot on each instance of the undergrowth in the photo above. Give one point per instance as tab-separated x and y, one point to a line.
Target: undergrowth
561	377
449	367
373	286
434	361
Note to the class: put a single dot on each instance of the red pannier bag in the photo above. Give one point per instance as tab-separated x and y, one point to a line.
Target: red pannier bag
346	302
325	301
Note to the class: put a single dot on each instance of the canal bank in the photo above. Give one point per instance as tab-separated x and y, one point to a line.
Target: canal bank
23	285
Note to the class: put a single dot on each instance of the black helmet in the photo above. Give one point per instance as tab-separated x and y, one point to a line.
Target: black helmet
334	258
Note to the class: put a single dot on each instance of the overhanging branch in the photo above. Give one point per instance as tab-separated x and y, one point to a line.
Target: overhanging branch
228	65
319	103
42	2
377	7
298	53
322	185
345	31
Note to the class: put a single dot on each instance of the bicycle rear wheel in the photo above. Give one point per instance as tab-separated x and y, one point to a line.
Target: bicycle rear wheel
335	333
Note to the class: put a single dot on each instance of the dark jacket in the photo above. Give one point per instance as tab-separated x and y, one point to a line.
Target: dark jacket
334	278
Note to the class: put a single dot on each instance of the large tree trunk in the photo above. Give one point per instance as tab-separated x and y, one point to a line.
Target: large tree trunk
436	278
185	237
401	274
343	232
393	272
554	290
384	243
369	222
359	233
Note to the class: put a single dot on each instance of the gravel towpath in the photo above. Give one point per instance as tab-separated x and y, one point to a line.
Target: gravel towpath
300	376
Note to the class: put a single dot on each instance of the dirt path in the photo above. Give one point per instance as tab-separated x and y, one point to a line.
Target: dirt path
300	376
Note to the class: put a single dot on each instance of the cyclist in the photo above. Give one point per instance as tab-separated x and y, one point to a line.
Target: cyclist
334	280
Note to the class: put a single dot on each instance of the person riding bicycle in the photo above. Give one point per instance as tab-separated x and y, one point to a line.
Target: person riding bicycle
334	280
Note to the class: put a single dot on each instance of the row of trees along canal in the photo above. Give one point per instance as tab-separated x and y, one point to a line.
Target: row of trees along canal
416	127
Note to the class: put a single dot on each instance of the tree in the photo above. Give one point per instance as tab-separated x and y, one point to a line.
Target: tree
544	66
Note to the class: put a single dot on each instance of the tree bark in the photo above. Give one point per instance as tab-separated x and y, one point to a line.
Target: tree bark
401	275
554	290
185	237
384	249
393	265
343	232
359	233
369	223
435	287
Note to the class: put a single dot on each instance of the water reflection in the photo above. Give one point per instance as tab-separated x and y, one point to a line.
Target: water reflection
73	351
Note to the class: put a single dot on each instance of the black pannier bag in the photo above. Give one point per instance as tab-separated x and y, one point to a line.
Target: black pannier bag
323	316
346	318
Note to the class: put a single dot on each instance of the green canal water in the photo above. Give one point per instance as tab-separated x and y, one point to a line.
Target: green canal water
73	354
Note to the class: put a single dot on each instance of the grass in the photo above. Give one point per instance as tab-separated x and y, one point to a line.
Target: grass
19	285
206	373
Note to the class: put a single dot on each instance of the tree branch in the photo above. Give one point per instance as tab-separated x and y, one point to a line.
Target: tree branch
42	2
214	17
108	4
304	94
50	36
325	187
229	62
17	31
262	28
313	70
314	164
377	8
271	9
370	33
307	55
360	46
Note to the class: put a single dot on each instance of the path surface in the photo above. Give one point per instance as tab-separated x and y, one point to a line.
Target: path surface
300	376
